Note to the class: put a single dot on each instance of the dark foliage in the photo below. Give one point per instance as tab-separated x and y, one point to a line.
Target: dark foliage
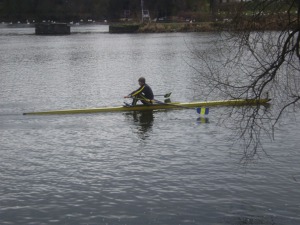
72	10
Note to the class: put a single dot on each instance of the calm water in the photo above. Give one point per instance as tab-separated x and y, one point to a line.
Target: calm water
164	167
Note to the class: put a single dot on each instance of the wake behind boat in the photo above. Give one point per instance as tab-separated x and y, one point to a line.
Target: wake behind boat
158	106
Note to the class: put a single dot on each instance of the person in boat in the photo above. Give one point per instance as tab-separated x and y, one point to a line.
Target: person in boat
144	93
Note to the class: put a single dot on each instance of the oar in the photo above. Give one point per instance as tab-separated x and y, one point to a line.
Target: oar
199	110
202	111
166	95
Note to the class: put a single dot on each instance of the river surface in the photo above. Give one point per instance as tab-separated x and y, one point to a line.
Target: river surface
161	167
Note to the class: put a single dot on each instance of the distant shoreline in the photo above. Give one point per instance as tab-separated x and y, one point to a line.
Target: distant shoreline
166	27
193	27
180	27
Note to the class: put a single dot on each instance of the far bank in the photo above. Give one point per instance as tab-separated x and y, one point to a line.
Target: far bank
265	25
166	27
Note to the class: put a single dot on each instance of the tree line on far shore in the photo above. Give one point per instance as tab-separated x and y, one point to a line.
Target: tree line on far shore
99	10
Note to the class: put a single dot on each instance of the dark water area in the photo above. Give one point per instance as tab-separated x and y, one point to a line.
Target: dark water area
160	167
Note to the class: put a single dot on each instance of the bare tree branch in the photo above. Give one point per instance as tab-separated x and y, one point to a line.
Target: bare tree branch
258	59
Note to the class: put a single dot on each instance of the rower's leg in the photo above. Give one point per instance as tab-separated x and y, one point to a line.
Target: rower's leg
145	101
134	101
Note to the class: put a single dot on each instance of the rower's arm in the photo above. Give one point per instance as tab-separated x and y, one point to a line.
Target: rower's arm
138	91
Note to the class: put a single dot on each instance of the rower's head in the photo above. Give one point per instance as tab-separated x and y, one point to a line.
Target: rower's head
142	81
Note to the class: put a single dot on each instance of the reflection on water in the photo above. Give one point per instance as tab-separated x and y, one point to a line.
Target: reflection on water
202	119
142	121
252	220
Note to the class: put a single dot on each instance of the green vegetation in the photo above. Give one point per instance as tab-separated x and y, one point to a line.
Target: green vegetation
123	28
181	27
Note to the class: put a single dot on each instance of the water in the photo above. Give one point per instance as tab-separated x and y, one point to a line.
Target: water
162	167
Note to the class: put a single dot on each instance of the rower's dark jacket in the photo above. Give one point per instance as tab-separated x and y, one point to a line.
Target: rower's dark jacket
144	90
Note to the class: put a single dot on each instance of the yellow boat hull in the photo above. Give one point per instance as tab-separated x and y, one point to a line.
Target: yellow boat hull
175	105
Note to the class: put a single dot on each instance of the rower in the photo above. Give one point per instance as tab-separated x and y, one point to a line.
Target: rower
143	93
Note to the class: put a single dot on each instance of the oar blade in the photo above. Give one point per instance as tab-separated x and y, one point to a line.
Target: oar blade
167	95
202	111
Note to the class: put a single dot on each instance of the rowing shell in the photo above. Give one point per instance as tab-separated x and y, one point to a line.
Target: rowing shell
175	105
